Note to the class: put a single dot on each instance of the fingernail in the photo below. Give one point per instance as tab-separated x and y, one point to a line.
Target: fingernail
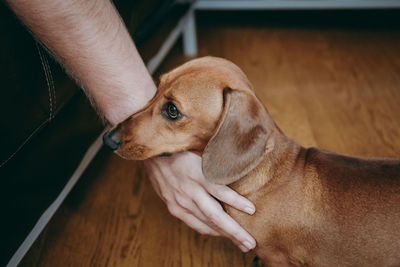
247	245
243	248
250	210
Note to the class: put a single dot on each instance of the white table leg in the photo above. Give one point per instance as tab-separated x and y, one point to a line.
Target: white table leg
189	35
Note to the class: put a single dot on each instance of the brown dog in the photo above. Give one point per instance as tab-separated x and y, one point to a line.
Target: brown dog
314	208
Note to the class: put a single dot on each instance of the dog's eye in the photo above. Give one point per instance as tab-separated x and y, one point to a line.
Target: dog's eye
171	112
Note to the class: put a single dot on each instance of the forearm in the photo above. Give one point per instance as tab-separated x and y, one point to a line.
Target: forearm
89	38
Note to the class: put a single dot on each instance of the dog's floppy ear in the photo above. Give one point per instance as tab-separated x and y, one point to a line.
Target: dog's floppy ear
238	144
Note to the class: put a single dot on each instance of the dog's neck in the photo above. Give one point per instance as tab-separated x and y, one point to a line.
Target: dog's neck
282	154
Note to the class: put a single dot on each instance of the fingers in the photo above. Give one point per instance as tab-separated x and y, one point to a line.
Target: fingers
220	221
192	221
230	197
177	205
180	183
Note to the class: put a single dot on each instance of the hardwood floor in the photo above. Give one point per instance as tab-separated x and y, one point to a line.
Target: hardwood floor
335	87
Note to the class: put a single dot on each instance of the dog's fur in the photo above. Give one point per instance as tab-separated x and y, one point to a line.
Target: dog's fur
314	208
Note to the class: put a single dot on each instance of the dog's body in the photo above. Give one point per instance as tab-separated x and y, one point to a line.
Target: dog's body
322	209
314	208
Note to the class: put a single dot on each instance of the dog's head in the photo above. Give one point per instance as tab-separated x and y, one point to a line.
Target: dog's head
206	106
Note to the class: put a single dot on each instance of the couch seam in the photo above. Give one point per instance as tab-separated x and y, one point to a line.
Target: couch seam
49	81
23	143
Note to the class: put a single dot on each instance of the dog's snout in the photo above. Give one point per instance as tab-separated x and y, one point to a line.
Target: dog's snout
111	140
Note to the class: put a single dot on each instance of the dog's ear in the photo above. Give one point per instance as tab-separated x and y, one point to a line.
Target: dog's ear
239	142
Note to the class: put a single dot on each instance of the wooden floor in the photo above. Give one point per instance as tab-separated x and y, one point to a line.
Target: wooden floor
337	88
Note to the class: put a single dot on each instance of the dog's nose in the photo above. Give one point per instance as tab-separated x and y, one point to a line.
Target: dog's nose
111	140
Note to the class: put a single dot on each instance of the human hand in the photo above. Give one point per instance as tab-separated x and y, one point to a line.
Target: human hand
180	183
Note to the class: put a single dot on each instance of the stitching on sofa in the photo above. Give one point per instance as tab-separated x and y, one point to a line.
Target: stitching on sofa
52	100
52	86
23	143
52	90
49	80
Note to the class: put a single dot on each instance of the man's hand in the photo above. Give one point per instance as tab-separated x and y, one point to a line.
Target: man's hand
179	181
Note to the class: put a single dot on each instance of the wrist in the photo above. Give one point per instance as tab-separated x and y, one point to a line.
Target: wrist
130	99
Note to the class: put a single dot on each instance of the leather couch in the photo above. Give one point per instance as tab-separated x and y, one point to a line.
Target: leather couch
46	121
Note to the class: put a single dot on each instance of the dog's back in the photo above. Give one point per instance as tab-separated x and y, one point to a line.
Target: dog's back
360	197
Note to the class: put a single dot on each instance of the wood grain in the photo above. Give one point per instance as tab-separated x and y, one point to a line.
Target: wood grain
333	87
